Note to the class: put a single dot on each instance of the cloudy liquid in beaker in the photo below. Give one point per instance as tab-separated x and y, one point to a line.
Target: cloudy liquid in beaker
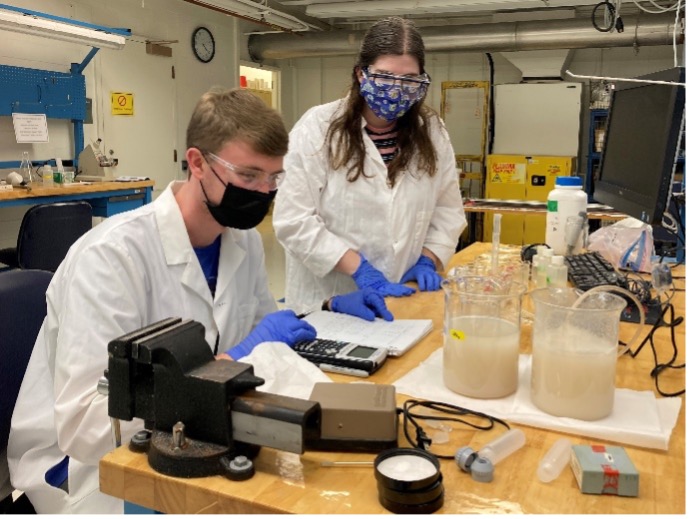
480	356
576	382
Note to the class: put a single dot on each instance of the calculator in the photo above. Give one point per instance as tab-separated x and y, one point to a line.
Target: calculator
342	357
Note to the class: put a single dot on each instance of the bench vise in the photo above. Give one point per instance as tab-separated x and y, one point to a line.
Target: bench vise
202	415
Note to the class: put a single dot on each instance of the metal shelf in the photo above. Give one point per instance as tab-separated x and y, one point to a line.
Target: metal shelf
597	120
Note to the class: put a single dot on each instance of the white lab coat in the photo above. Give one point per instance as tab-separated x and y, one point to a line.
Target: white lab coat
130	271
319	215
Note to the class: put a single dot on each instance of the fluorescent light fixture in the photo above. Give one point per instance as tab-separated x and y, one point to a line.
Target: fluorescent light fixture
257	12
376	8
36	26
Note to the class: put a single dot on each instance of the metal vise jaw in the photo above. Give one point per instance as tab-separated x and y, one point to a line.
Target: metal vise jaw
203	415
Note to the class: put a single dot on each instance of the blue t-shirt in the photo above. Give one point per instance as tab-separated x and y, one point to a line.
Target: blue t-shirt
208	258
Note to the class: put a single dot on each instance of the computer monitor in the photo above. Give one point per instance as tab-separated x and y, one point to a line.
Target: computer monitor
642	137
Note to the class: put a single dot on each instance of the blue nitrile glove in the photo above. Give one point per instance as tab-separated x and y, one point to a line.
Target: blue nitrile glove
283	326
367	276
424	273
366	304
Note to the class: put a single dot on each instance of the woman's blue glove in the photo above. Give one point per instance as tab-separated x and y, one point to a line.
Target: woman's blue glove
283	326
424	273
367	276
366	304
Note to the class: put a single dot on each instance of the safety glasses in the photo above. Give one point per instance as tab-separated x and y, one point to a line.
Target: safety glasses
249	178
411	85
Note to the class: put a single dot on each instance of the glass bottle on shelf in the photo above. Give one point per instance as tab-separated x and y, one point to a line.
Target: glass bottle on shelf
25	168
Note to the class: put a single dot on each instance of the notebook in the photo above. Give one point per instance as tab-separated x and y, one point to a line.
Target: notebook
396	336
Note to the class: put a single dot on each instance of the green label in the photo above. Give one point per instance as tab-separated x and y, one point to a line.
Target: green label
552	206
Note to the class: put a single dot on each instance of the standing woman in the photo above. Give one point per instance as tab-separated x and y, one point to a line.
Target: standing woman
371	196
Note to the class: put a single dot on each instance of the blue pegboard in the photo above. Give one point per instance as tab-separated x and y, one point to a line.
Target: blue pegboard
59	95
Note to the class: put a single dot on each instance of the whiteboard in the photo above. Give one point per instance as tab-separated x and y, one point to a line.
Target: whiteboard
538	119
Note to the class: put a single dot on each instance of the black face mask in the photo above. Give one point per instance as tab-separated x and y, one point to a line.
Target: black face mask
240	208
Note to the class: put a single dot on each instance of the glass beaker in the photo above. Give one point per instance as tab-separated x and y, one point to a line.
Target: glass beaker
26	168
574	352
481	335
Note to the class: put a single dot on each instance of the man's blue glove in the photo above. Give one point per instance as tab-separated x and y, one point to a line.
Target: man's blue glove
283	326
366	304
367	276
424	273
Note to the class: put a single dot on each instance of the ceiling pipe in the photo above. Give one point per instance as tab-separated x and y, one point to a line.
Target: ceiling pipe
492	37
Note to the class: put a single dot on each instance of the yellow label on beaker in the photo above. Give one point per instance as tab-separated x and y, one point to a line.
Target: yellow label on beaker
457	334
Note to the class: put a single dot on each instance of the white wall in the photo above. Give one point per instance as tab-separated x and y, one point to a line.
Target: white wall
310	81
144	143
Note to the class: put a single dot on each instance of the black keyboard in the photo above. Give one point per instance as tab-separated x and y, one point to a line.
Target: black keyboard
591	269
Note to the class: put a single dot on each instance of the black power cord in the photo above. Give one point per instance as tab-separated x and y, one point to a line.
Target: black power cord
615	21
660	367
453	413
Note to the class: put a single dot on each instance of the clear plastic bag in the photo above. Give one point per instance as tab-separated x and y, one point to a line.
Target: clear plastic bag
627	244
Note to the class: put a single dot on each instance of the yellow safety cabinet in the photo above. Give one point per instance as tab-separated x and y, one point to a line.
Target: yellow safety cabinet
521	177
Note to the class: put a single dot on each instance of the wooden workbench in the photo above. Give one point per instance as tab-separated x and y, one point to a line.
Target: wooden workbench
106	198
288	483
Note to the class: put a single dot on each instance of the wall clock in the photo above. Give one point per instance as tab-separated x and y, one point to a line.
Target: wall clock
203	44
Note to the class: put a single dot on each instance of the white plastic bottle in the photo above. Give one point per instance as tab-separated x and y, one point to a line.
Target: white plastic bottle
47	175
567	200
557	273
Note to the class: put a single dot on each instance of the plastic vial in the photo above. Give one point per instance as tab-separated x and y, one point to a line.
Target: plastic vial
568	199
503	446
542	266
537	260
554	461
25	168
47	176
557	273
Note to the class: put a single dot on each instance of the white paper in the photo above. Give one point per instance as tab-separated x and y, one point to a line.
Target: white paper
396	336
285	372
30	127
638	417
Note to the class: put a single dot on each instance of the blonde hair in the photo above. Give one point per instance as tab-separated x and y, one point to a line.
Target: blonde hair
223	115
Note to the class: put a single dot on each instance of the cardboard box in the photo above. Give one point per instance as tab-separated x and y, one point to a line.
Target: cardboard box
601	469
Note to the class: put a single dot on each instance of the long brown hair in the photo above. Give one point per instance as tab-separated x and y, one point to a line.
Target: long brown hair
389	36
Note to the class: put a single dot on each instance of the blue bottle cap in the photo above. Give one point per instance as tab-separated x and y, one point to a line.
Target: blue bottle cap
569	181
464	457
482	470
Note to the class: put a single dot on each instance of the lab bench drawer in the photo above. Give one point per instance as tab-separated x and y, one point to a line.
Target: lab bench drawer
106	207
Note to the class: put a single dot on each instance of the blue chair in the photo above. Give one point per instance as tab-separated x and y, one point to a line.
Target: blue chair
46	234
22	310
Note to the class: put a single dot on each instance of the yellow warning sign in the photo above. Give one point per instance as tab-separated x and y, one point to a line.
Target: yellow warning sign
121	103
508	173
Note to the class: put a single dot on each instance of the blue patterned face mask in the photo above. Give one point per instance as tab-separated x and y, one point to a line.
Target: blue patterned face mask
390	97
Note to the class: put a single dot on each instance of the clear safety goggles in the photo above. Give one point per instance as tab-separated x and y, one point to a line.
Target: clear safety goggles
250	178
414	85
